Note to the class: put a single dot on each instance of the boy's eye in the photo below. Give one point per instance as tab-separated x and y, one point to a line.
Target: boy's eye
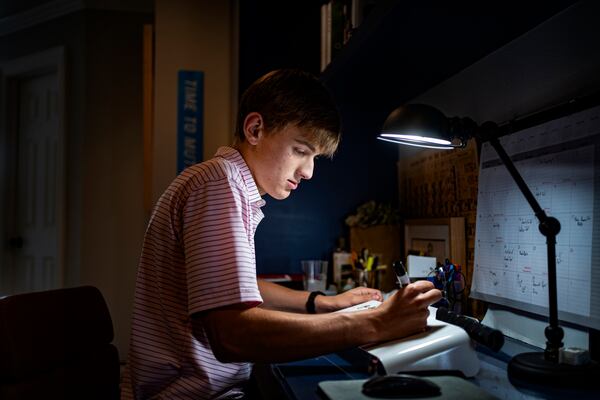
300	151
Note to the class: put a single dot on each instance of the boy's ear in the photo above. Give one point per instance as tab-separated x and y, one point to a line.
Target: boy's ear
253	126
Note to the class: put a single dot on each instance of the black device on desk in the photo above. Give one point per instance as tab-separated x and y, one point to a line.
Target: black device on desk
412	385
492	338
399	386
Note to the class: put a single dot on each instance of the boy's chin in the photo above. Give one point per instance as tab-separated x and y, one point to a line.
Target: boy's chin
280	195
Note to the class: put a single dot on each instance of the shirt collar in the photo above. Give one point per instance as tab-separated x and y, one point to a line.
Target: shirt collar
234	156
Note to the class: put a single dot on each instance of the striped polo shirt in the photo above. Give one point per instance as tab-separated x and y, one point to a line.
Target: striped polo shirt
198	254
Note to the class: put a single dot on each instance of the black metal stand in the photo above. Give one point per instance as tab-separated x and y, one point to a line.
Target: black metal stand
544	369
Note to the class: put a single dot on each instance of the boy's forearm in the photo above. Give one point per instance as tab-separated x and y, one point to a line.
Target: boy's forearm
262	335
267	336
278	297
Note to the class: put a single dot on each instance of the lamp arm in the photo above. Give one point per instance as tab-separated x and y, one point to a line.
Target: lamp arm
549	227
510	166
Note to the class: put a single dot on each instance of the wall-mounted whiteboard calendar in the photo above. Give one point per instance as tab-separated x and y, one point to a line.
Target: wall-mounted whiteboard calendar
560	162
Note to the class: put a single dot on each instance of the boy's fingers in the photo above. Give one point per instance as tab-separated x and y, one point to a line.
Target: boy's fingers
431	296
422	286
371	292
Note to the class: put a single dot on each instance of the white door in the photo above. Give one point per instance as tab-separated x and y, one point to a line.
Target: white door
32	258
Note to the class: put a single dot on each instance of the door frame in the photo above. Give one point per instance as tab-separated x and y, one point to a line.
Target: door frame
11	71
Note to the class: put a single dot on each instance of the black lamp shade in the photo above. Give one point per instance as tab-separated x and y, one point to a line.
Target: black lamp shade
420	125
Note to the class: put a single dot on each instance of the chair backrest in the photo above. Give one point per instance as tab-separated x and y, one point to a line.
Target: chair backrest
56	344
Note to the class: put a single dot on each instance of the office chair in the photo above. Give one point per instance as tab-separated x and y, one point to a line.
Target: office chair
56	344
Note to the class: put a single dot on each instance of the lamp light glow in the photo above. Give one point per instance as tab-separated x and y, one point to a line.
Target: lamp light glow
415	143
417	138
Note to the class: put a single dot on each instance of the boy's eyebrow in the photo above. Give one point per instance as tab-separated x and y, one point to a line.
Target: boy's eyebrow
307	144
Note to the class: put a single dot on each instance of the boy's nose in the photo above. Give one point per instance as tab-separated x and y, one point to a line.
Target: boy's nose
306	170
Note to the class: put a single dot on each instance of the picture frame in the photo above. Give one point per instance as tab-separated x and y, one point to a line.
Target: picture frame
437	237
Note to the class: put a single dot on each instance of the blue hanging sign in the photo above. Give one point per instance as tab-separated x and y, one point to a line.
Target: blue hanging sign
190	118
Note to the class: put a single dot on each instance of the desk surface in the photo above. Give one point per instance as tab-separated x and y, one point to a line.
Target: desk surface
299	380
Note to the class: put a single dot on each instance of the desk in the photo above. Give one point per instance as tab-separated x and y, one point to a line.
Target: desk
298	380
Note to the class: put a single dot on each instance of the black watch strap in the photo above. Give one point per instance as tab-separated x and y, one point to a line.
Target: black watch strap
310	303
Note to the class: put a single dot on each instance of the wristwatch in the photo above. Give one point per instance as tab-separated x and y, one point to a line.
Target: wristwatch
310	303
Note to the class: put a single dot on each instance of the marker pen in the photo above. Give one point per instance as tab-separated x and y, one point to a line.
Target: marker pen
401	274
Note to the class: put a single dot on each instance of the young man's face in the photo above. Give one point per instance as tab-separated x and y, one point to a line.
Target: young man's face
282	160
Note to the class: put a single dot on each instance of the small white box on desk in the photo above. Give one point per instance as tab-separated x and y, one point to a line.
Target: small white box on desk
442	346
420	266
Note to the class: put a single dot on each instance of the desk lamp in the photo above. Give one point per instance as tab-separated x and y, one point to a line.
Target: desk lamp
424	126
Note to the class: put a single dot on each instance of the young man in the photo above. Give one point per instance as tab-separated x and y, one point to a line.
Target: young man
200	315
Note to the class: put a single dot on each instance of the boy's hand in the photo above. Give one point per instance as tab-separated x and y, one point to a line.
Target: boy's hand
408	308
347	299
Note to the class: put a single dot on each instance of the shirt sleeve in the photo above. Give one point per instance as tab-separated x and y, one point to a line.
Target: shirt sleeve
218	247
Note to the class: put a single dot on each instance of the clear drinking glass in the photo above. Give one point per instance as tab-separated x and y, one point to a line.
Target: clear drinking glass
315	275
